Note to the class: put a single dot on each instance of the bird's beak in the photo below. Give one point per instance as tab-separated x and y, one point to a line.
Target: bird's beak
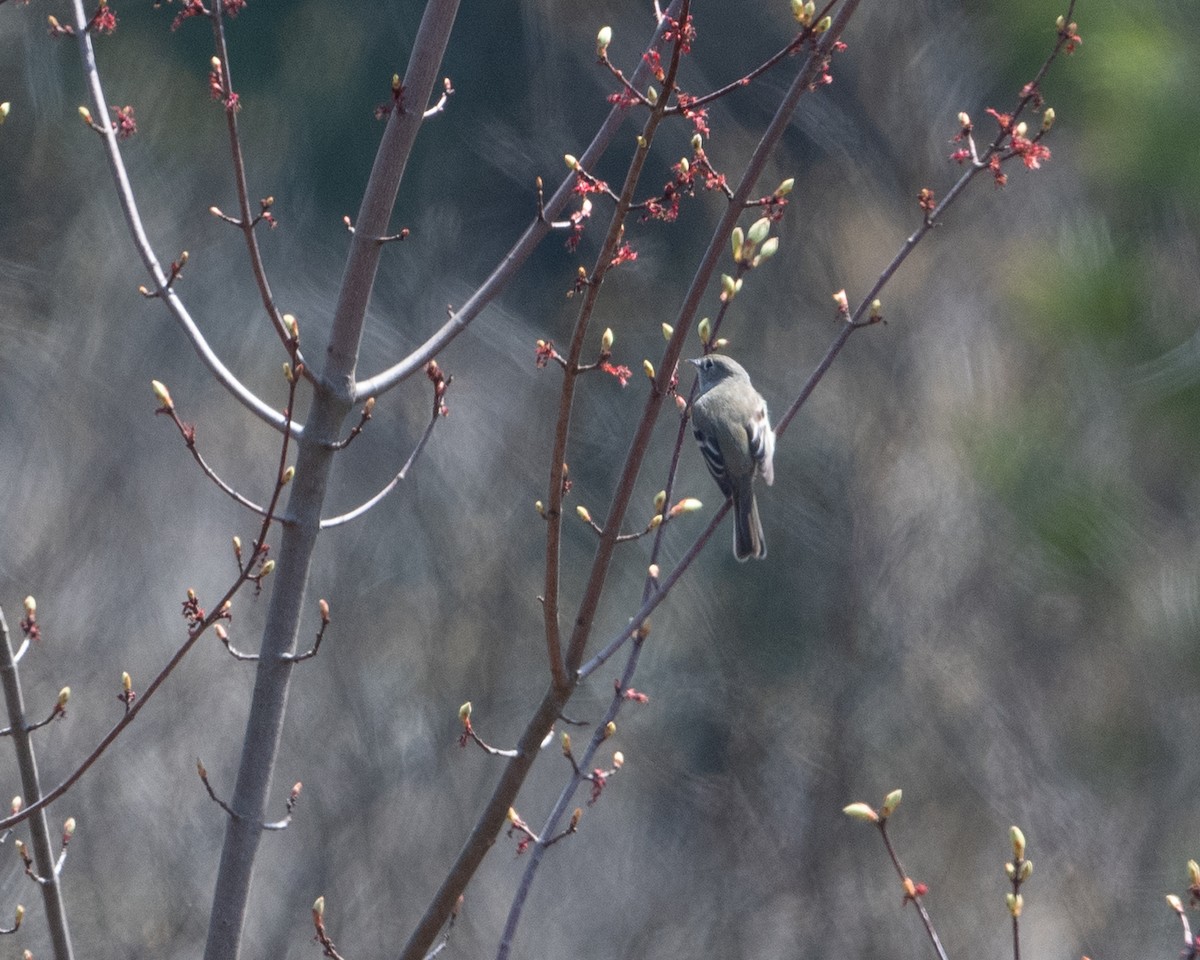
693	361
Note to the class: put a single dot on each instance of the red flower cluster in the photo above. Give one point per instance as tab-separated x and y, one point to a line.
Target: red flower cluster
124	121
685	33
622	373
625	254
103	20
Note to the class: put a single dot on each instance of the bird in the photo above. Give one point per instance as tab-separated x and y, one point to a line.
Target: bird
733	429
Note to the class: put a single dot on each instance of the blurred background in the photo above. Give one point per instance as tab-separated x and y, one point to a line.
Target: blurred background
982	580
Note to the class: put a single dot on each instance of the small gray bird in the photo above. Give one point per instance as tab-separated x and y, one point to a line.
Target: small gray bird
729	418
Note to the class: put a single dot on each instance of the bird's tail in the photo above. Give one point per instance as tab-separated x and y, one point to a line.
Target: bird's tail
748	540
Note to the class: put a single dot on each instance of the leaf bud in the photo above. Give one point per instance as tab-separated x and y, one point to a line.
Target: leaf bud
566	744
736	240
584	515
667	331
267	568
30	606
704	330
1047	119
786	187
609	729
606	340
767	251
648	369
891	802
603	39
697	143
1014	902
861	811
686	505
570	161
758	231
64	695
162	394
618	760
1018	842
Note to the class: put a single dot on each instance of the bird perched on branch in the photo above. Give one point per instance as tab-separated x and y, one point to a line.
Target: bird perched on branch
729	419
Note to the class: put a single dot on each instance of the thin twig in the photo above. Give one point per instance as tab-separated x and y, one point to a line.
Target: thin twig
137	230
248	221
391	485
926	920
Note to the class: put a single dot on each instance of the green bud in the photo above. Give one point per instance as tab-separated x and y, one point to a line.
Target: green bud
570	161
584	515
1047	118
736	239
704	330
1018	842
825	24
606	341
697	143
786	187
891	802
162	393
652	95
4	108
668	331
758	231
861	811
768	250
603	39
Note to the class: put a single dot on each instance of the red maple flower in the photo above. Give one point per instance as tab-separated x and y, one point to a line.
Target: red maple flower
124	121
622	373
